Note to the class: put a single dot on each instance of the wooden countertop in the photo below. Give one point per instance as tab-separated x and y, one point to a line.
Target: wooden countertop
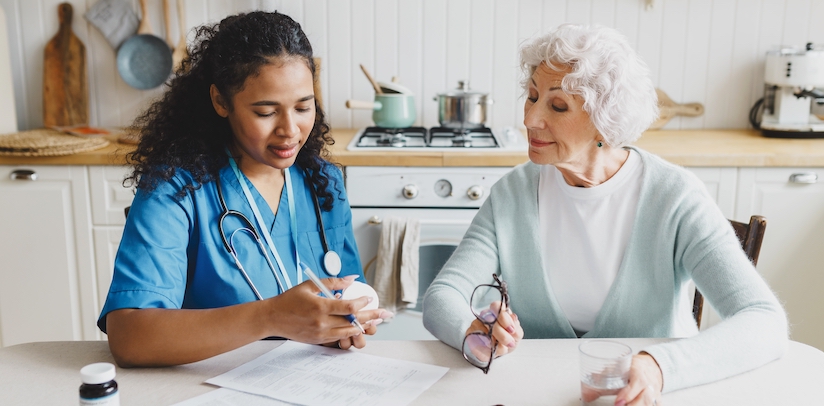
725	148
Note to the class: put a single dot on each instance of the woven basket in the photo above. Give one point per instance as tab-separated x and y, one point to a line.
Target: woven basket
45	142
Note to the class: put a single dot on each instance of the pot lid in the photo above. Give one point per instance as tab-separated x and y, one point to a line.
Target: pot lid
392	87
463	90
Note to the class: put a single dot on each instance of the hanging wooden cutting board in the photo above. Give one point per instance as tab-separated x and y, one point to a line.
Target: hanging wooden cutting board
670	109
65	88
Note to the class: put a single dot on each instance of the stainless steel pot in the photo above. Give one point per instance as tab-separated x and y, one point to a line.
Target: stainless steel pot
462	108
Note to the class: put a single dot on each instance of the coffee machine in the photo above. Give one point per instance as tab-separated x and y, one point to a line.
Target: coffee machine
793	77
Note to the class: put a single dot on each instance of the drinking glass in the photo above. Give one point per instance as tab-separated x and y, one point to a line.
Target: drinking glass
604	371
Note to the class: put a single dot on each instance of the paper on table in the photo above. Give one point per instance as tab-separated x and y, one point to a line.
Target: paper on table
229	397
315	375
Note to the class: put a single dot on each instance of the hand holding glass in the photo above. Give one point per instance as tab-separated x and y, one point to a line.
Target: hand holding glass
604	371
487	303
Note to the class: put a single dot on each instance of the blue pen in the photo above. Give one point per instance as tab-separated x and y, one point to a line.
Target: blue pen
325	291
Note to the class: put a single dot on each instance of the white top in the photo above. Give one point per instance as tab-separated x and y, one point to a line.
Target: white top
585	232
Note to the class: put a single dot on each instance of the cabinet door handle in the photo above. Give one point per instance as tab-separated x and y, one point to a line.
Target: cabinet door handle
804	177
23	174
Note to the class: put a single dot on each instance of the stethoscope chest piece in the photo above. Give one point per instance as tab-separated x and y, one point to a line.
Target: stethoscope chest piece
332	263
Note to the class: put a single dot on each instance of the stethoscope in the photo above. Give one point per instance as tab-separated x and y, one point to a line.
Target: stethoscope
331	259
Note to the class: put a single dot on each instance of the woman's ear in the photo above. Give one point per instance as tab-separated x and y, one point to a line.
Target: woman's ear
218	102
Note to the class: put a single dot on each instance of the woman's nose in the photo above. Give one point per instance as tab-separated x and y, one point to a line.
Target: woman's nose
287	126
534	116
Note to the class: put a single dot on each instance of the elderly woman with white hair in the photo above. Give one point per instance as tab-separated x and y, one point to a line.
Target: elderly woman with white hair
597	238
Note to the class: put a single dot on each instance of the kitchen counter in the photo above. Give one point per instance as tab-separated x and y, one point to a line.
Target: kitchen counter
718	148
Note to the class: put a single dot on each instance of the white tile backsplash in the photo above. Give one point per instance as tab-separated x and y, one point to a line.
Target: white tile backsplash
707	51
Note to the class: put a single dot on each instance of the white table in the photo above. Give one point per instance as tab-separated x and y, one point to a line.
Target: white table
540	372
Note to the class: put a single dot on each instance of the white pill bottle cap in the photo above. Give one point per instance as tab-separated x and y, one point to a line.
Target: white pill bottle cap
97	373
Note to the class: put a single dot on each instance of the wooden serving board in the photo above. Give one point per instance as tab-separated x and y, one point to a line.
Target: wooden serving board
65	88
670	109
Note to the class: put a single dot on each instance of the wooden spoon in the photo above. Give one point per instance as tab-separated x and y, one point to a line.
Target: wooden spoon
670	109
372	81
180	52
144	27
167	9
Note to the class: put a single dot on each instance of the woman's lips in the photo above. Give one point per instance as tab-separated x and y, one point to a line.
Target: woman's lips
538	143
284	151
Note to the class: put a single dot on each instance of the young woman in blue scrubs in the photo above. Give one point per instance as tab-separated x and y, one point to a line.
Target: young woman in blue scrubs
239	121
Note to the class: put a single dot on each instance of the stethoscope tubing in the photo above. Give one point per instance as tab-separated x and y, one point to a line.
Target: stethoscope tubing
251	229
255	233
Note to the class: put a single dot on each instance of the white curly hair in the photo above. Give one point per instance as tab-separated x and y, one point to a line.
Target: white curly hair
606	72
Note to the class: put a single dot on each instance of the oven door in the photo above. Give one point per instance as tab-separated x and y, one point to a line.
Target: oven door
441	231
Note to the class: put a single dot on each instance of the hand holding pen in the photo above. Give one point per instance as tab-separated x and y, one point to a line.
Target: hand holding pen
327	293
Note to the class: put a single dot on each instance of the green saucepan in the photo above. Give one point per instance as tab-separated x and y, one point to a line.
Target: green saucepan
389	110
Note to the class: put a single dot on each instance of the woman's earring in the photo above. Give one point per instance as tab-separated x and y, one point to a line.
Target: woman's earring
600	144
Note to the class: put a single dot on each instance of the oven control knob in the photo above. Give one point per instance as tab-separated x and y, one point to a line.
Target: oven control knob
475	192
410	191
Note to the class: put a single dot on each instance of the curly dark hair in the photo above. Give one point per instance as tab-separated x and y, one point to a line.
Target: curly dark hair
182	130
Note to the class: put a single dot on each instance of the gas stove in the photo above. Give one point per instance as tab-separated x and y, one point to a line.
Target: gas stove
437	139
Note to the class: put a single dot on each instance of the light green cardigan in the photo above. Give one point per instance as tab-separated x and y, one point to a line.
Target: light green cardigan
679	234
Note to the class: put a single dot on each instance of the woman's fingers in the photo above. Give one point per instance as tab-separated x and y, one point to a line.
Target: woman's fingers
646	397
345	343
334	283
508	332
645	382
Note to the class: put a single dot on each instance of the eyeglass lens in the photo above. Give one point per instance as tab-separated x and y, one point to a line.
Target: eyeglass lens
486	303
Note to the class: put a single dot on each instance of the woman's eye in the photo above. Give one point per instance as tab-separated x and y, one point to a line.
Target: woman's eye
265	114
532	98
303	110
559	109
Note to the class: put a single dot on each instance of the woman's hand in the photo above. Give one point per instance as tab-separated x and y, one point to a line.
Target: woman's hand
645	383
507	331
370	326
302	315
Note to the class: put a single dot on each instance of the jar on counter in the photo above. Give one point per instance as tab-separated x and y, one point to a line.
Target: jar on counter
99	387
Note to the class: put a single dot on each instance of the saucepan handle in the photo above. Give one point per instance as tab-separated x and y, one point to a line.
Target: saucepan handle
359	104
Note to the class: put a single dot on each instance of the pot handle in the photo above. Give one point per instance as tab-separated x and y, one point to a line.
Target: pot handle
359	104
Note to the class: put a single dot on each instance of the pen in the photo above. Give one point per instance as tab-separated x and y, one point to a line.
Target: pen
325	291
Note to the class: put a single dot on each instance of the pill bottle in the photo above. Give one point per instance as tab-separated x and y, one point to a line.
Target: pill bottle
99	387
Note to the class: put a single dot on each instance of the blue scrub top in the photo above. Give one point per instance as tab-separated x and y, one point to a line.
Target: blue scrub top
172	256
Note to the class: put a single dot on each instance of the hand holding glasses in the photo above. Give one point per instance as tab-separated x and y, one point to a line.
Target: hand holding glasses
490	305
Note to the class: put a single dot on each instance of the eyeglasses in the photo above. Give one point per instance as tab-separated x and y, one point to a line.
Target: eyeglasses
487	302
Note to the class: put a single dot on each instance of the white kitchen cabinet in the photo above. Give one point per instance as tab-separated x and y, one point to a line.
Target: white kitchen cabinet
106	242
45	284
108	199
59	235
792	254
720	183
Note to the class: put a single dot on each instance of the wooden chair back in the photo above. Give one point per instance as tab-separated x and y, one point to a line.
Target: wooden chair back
751	235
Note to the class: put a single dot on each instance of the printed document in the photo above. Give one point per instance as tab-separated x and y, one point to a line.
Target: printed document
229	397
313	375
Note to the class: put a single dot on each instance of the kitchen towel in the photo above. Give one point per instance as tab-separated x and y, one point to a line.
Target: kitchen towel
396	267
115	19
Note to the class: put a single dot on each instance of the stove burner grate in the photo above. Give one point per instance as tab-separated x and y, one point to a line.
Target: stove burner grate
393	137
480	137
436	137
